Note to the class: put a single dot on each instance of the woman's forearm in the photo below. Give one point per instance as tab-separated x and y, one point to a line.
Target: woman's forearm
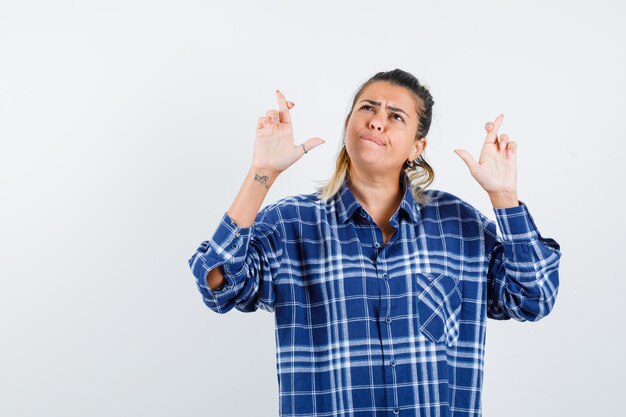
251	195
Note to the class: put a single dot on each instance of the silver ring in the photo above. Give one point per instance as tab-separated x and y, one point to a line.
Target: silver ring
304	147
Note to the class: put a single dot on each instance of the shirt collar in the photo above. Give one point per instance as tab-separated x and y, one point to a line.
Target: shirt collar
348	204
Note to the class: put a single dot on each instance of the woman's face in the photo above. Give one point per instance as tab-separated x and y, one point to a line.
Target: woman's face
380	135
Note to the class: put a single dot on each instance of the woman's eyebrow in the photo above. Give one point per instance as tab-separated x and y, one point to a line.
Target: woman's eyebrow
377	103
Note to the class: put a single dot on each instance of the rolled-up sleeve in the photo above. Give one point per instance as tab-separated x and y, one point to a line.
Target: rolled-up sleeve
249	258
523	266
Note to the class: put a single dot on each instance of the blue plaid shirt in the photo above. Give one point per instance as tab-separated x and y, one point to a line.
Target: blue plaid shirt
365	328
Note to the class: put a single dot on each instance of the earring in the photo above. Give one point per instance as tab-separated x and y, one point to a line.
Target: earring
410	164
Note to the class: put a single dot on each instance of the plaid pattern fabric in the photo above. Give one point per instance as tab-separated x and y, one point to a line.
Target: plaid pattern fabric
365	328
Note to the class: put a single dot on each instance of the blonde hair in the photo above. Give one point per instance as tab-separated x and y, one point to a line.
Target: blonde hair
420	173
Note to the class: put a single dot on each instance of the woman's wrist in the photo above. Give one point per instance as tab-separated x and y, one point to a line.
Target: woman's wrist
251	195
264	176
504	199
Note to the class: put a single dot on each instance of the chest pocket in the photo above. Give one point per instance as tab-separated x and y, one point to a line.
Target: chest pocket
439	307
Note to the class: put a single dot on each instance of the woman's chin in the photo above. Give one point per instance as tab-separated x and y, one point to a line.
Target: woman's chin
368	159
369	162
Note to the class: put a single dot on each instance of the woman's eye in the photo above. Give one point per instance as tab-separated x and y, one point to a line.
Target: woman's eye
393	115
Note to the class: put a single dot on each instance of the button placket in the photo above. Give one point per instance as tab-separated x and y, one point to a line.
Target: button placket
235	245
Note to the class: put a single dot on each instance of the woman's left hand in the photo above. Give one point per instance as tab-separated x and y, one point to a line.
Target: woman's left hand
496	169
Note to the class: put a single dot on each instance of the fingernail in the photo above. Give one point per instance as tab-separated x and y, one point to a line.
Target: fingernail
276	119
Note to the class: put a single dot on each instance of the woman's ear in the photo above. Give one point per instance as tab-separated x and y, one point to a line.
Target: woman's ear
418	148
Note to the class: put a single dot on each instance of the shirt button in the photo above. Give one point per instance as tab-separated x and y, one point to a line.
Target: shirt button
392	363
376	245
388	320
396	410
385	275
235	245
230	287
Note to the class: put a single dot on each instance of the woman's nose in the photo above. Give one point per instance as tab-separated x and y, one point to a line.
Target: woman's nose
376	123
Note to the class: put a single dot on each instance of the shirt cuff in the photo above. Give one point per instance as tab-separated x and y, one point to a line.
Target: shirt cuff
516	223
227	248
229	239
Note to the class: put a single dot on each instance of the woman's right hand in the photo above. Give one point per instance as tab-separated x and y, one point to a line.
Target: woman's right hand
274	148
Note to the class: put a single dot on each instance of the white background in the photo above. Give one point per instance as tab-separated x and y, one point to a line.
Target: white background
126	128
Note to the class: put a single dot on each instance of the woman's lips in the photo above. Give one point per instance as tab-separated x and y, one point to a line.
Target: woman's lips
373	139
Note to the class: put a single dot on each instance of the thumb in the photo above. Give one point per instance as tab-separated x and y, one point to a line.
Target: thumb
312	143
467	158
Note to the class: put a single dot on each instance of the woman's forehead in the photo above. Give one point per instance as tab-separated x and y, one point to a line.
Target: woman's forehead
389	95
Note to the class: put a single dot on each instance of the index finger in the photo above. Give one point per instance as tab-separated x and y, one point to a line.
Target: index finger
283	110
493	133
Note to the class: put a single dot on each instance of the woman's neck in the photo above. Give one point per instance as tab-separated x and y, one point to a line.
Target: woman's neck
380	196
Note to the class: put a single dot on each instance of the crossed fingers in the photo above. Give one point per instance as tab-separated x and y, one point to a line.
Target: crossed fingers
281	115
502	140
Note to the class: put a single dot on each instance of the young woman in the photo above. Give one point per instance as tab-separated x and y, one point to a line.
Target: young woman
379	286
